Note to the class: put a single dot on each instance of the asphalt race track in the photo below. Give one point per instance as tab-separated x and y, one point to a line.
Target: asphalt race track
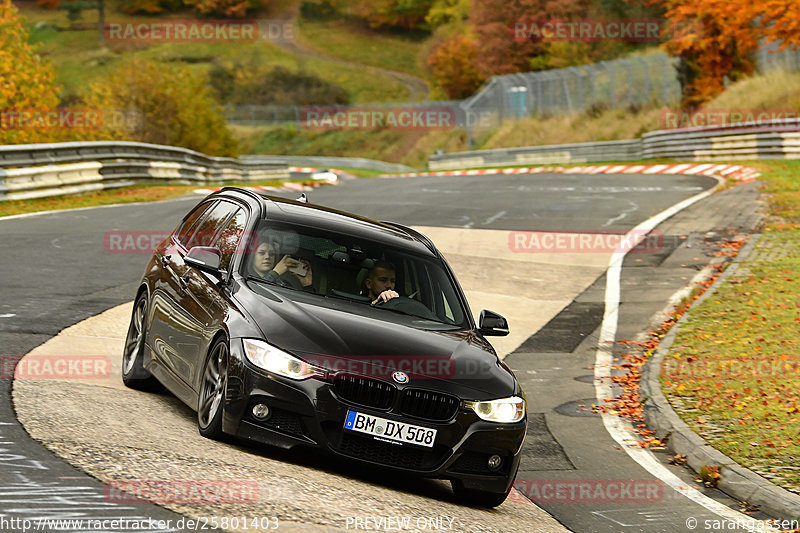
59	270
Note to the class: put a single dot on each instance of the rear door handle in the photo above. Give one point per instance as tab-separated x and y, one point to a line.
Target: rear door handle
184	281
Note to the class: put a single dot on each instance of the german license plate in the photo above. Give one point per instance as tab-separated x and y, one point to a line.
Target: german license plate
390	429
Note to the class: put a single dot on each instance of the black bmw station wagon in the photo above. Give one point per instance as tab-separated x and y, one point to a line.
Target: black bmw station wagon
291	324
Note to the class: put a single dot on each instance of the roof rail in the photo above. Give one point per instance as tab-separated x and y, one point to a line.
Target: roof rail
260	199
425	240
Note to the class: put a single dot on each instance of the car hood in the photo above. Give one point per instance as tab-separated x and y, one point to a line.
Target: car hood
355	338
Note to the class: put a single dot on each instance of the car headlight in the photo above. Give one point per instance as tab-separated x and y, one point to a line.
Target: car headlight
277	361
506	410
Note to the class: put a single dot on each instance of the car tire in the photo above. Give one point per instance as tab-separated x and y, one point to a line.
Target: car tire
212	391
478	498
134	375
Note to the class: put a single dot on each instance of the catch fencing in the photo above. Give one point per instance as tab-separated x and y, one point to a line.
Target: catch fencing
646	80
634	81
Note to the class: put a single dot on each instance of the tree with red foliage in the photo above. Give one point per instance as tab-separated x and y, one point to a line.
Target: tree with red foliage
498	51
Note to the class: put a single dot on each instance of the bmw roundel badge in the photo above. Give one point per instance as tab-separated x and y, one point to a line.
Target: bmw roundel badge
400	377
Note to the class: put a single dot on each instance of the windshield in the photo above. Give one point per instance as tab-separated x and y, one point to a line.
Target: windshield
343	267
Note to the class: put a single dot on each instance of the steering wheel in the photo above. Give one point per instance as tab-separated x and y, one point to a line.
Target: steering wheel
408	306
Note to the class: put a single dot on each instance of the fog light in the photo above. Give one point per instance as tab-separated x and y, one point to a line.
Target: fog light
261	411
494	462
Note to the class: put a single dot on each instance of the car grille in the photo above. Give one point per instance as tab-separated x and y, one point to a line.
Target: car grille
429	405
365	391
405	456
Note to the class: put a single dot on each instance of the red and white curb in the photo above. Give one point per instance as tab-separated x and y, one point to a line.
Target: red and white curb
287	185
737	172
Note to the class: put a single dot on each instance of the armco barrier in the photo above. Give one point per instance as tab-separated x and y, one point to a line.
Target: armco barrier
752	140
540	155
39	170
330	162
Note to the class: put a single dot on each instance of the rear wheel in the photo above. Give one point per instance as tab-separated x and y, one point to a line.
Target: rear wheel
134	375
212	391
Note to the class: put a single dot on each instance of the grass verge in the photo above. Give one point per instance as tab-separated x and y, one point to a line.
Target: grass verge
733	372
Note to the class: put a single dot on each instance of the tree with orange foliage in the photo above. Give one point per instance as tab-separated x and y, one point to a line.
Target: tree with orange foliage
406	14
26	81
147	101
779	20
453	64
716	38
225	8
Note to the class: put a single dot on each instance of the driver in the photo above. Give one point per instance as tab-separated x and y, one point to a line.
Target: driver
380	282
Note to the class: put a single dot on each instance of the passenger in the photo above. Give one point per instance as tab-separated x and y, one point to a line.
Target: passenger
380	282
264	266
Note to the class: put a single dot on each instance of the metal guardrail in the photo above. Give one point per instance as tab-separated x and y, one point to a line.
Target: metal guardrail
39	170
540	155
751	140
777	139
330	162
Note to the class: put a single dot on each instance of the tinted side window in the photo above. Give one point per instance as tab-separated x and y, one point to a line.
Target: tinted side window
228	239
185	228
204	234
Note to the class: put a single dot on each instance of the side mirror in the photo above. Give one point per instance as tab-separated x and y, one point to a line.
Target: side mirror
492	324
205	258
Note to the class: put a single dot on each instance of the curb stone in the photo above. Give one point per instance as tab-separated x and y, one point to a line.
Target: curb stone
736	172
737	481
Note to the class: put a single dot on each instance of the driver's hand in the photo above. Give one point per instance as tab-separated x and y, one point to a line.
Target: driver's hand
385	296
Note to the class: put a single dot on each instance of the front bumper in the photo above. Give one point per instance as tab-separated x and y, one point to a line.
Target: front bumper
311	413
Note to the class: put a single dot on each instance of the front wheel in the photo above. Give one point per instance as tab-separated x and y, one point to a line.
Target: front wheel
134	375
478	498
212	392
